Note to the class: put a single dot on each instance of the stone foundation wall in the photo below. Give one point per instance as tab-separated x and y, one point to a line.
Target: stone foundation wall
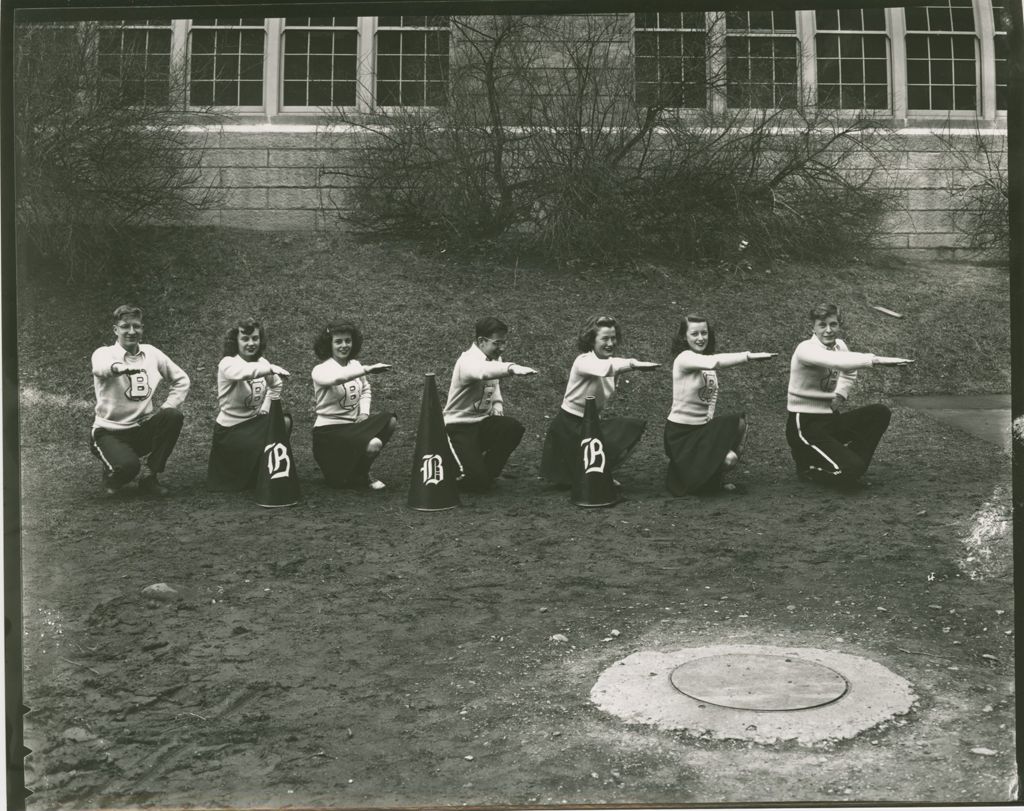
273	177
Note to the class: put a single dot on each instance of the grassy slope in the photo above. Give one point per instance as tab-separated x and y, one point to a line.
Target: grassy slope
417	312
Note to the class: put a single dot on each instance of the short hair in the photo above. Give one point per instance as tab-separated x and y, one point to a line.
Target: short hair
244	325
587	335
322	342
488	325
126	310
822	311
679	342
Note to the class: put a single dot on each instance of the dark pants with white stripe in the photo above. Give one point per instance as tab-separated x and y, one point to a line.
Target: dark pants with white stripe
483	448
837	446
119	451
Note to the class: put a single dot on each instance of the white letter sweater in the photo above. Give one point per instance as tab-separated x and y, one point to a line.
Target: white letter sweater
695	385
242	388
817	374
341	402
125	401
591	376
474	386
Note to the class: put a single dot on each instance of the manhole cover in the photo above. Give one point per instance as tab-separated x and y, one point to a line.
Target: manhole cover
759	682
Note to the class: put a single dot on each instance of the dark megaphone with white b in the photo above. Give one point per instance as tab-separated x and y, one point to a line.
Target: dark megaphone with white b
434	465
592	482
277	480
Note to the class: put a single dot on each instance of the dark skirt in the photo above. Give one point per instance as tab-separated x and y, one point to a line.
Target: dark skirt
236	454
562	443
696	453
340	450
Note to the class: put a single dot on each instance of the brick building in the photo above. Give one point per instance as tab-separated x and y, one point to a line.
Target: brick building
939	67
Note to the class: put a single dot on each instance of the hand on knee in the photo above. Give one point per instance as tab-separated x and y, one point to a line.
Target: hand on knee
374	447
731	458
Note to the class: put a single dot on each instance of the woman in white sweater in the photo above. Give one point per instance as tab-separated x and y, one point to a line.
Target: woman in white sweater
701	446
593	374
346	439
246	383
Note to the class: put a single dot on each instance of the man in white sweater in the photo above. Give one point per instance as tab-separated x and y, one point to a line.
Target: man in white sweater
828	444
127	425
480	434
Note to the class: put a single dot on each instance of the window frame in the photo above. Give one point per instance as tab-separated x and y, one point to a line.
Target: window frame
362	56
239	108
885	33
918	113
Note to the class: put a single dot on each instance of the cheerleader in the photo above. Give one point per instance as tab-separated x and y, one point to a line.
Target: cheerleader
346	439
593	375
701	447
829	444
246	383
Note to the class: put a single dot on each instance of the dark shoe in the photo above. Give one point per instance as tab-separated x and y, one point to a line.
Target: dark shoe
149	486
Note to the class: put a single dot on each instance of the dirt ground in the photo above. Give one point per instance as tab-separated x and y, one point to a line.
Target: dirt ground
351	651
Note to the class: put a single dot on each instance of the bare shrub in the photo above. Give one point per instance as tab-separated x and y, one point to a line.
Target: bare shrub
542	145
101	146
978	186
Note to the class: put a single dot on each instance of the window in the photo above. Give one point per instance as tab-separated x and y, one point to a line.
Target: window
942	63
762	58
226	62
1001	21
134	60
853	64
670	59
412	61
321	56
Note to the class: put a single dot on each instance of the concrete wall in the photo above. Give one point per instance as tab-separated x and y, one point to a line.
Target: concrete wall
273	178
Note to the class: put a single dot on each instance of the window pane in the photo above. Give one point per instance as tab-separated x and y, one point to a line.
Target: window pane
941	71
876	98
294	94
849	19
826	19
917	98
917	71
251	94
874	19
876	72
942	98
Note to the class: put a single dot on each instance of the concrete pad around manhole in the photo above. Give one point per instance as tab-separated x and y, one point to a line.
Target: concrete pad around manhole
639	689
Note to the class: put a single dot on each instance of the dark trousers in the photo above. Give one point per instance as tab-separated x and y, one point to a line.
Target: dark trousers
119	451
483	448
838	446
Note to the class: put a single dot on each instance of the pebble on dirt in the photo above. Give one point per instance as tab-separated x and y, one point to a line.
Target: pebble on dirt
78	735
162	592
559	638
981	750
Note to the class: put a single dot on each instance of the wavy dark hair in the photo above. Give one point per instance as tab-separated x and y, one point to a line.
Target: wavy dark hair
823	311
244	325
587	335
679	342
322	342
